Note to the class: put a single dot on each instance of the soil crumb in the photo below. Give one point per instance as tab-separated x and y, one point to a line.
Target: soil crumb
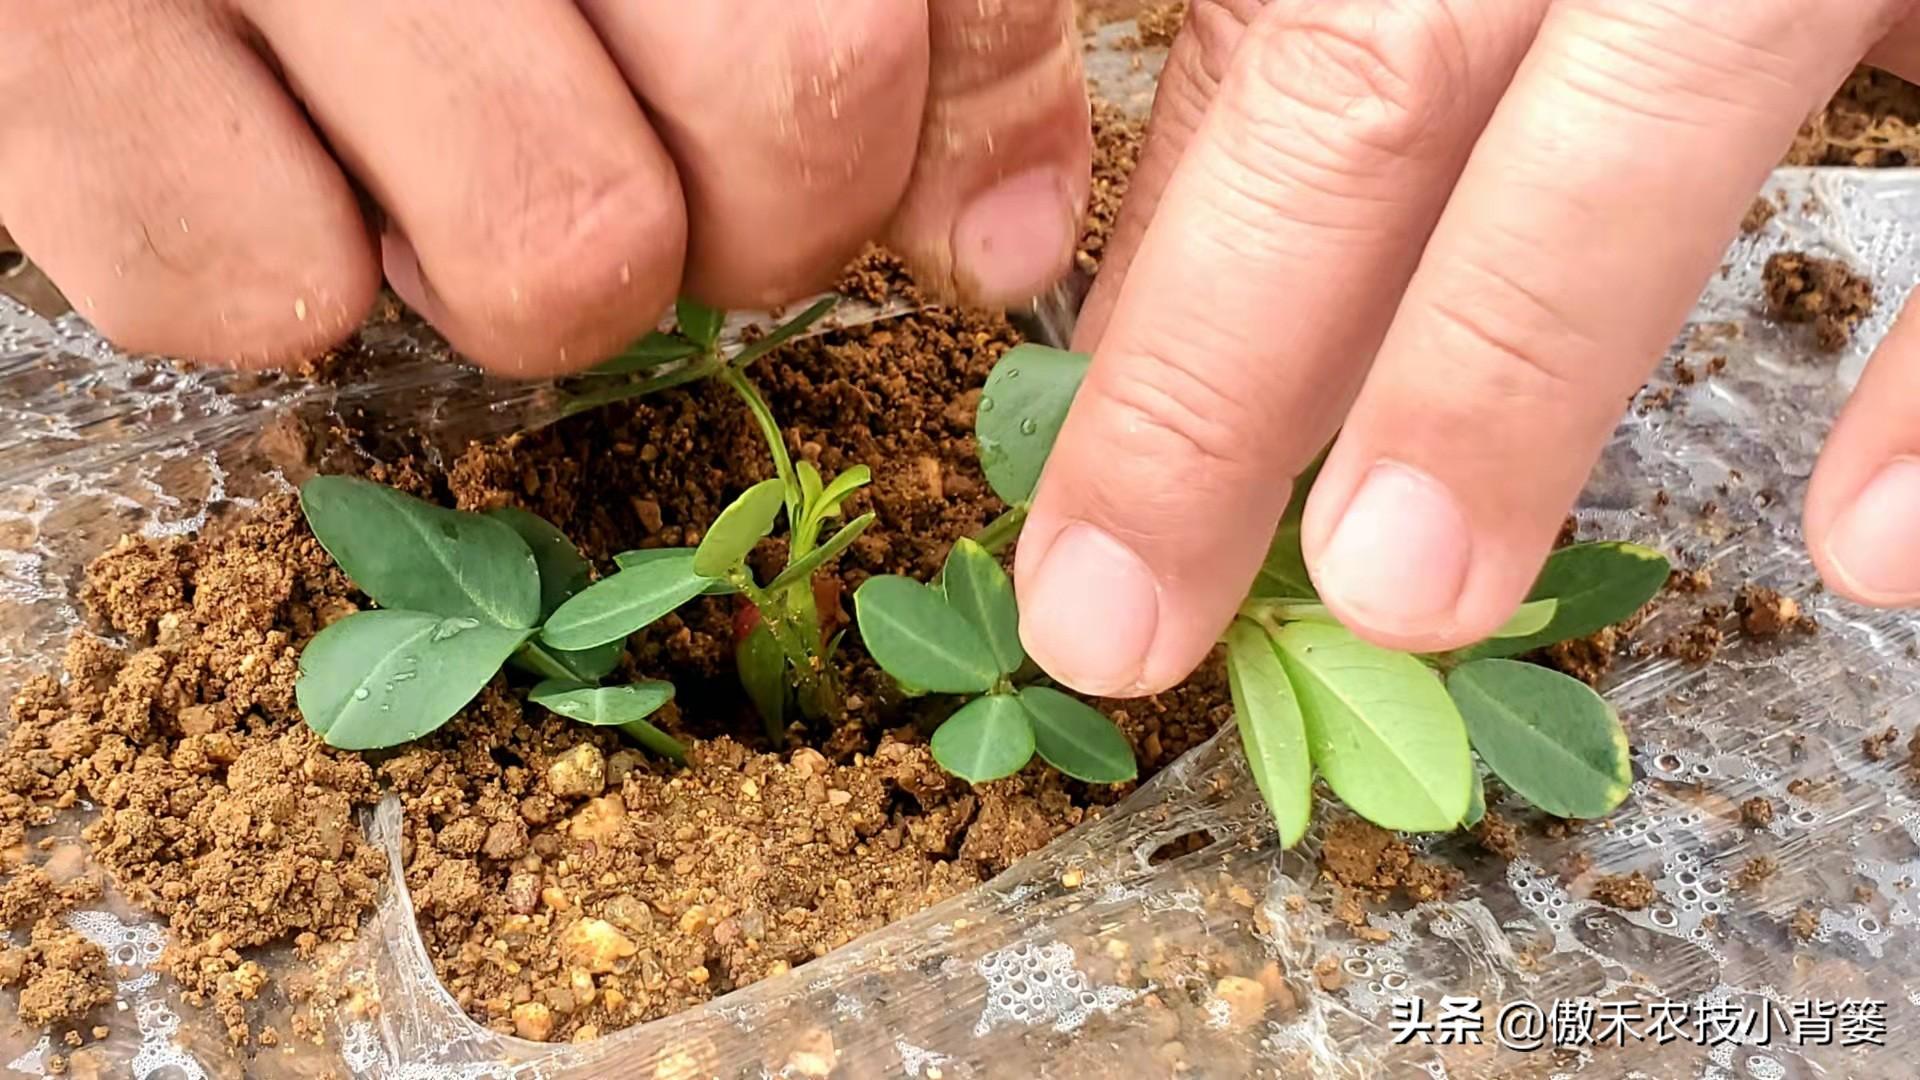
1879	744
1699	641
1361	856
1758	214
1627	892
1757	812
1804	924
1498	835
1755	871
61	976
1764	613
1823	293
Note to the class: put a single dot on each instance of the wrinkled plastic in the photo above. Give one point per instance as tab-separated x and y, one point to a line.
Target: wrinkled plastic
1093	957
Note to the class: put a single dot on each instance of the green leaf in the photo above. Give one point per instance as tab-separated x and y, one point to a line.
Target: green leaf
1380	727
652	351
563	571
989	738
739	527
1530	618
1272	730
1545	735
1283	573
977	588
602	706
762	666
583	665
810	482
785	332
815	559
629	560
842	486
1021	410
1595	585
699	323
1476	802
412	555
920	641
381	678
1077	738
613	607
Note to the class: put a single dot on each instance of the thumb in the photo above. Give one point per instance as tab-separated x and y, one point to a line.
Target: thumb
992	213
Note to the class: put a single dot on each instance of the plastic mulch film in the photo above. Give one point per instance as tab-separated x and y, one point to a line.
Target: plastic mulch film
1098	956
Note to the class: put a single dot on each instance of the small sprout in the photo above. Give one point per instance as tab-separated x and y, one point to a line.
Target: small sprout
1021	409
1272	730
461	595
744	523
962	637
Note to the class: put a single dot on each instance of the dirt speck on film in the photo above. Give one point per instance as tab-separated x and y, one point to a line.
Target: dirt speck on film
1367	859
1627	892
1757	812
1825	294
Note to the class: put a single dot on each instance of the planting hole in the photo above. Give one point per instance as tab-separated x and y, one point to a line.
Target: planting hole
1184	844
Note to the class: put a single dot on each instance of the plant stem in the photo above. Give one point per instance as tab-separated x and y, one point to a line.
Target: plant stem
1002	530
654	740
794	623
777	445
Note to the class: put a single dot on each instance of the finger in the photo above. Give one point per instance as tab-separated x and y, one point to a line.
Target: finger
794	140
543	212
1195	67
1561	270
162	178
992	213
1243	328
1863	504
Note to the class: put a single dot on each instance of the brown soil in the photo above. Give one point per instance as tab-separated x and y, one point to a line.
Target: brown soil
1804	924
1758	214
1627	892
1363	857
1498	835
1160	23
1879	744
1824	293
1764	613
1116	150
1754	872
1874	121
1757	812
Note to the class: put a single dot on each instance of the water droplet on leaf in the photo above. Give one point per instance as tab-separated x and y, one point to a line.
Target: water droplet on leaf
453	627
359	693
1013	373
986	404
1028	426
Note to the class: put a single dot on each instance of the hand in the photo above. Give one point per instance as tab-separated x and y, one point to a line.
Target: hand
548	174
1461	232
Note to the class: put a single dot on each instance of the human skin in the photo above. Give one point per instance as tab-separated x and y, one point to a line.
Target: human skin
1457	232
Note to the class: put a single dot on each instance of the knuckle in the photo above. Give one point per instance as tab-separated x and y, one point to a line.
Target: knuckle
1374	81
573	247
1163	407
1506	342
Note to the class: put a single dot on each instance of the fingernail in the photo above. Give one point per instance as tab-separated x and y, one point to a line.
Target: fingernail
1088	616
1872	542
1398	557
1014	239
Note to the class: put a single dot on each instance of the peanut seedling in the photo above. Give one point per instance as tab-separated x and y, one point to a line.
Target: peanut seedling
961	635
1393	734
783	653
460	595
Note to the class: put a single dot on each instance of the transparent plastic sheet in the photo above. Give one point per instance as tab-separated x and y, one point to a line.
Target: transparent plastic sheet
1093	958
